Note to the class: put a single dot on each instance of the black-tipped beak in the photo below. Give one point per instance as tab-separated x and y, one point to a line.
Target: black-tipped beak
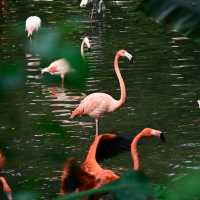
162	137
132	60
89	49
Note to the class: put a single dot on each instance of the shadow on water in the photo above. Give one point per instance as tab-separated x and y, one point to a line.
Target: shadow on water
162	87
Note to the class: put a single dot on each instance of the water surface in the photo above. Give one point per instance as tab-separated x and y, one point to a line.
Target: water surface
162	87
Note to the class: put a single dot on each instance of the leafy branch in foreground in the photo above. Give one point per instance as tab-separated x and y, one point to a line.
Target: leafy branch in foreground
181	16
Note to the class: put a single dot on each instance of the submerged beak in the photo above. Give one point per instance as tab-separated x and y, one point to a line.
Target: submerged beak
44	70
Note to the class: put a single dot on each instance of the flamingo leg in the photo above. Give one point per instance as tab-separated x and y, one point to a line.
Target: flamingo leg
62	78
97	127
92	12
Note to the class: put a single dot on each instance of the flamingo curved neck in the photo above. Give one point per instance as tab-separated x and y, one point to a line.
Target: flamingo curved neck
134	152
82	49
122	99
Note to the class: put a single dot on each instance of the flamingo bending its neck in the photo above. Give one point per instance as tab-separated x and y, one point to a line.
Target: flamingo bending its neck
96	104
61	66
90	174
33	23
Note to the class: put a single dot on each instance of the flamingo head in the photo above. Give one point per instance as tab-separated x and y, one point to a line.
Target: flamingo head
87	42
83	3
124	53
149	132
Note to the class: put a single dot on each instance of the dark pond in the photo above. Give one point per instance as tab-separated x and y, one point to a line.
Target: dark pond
162	87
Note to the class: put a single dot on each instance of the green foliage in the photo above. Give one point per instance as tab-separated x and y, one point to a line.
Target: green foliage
26	196
12	75
181	16
184	188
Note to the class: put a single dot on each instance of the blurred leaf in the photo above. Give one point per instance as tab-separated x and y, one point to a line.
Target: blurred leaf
184	188
132	185
26	196
179	15
12	75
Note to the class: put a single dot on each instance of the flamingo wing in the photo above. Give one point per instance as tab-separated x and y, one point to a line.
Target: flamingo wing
74	178
111	145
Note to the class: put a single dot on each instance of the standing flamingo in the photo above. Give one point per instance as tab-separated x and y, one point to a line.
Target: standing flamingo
97	6
3	183
33	23
62	66
96	104
90	174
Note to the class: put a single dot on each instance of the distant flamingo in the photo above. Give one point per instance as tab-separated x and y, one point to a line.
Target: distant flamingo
198	101
33	23
3	183
90	174
97	6
62	66
96	104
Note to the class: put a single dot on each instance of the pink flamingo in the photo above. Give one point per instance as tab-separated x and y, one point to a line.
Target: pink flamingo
61	66
33	23
3	183
90	174
96	104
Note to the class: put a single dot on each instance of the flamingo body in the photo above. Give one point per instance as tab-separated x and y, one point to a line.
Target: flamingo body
96	104
58	67
33	23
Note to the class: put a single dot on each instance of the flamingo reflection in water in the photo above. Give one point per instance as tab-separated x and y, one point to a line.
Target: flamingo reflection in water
90	174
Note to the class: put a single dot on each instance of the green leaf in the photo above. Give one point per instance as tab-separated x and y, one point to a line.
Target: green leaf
185	187
179	15
132	185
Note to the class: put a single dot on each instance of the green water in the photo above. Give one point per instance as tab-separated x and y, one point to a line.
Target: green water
162	87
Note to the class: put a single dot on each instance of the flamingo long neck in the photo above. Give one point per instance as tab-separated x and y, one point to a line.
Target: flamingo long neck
82	49
122	99
134	151
91	156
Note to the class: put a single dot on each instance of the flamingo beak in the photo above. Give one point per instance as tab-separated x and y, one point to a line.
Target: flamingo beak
162	137
89	48
44	70
158	134
129	56
198	101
